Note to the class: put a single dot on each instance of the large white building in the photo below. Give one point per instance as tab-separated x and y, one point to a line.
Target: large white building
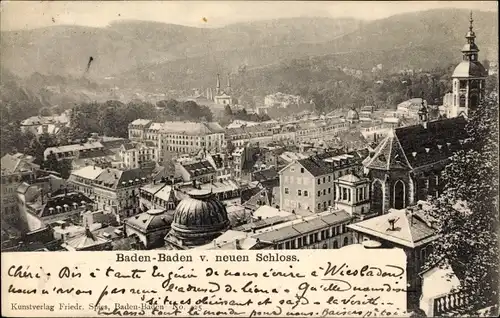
181	137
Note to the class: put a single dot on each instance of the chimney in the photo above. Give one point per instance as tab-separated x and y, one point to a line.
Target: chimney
237	244
391	223
89	234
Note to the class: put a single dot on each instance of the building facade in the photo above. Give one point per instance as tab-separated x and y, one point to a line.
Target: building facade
408	229
16	169
406	166
118	191
308	184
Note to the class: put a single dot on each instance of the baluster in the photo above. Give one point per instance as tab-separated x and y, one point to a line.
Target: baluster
436	306
455	300
459	300
441	305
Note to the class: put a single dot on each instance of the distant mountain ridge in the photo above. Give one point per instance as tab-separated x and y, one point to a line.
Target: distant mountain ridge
122	46
155	56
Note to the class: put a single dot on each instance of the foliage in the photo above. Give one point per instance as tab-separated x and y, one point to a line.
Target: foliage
330	85
63	167
467	211
189	110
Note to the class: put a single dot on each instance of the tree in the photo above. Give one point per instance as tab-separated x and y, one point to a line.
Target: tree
467	211
227	111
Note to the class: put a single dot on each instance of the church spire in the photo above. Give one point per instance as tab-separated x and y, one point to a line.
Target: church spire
470	50
217	87
228	82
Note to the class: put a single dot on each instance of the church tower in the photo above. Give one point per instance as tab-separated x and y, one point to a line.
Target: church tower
469	78
423	113
217	87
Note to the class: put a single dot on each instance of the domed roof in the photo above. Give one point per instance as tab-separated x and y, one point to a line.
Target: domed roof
151	220
200	212
470	69
352	114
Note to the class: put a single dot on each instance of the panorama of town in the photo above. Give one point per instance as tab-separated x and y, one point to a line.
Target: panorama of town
255	180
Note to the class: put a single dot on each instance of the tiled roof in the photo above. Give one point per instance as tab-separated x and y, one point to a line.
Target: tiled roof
114	178
416	146
61	199
198	168
410	230
441	137
316	166
388	155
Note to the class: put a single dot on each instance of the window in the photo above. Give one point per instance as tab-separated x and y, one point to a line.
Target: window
330	202
319	181
346	241
301	170
324	191
319	206
329	178
319	193
324	205
329	190
299	192
311	238
286	191
324	179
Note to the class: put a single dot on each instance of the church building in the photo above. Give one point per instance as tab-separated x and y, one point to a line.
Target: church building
222	97
406	166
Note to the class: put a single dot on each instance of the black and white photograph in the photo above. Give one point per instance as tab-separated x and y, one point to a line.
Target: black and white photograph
174	126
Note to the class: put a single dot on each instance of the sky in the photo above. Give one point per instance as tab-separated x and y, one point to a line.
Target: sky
15	15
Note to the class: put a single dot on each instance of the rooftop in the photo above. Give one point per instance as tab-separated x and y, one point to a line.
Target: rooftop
89	172
114	178
151	220
12	164
301	226
411	229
